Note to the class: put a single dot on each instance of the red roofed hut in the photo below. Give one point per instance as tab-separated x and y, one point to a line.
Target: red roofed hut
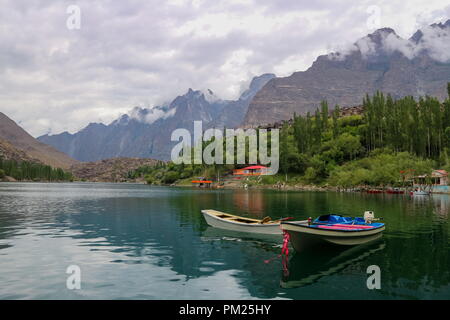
256	170
202	182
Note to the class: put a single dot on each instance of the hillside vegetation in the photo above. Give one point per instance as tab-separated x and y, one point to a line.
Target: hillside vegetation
390	140
32	171
111	170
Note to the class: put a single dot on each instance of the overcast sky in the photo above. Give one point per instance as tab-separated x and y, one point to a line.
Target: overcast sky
128	53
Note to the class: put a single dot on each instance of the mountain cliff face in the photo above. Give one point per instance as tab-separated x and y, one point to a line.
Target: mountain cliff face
146	133
19	145
380	61
233	115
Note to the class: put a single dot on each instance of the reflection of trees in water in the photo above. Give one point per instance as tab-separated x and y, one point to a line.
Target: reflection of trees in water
419	263
442	204
416	247
147	228
311	265
248	256
170	231
144	228
252	202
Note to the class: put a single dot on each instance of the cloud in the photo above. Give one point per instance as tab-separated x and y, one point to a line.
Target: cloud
145	53
151	115
433	40
437	42
394	43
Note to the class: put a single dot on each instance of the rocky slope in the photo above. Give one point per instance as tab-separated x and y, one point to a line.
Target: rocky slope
28	147
380	61
146	133
9	152
109	170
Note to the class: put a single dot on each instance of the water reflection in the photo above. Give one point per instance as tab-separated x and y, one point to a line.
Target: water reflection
250	201
137	241
441	204
309	266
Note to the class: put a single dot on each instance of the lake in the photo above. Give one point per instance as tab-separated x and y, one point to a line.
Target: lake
143	242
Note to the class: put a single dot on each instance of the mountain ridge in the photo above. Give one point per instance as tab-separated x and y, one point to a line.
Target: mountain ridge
146	133
32	149
379	61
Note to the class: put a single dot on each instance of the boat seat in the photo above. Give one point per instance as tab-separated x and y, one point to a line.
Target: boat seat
243	220
265	220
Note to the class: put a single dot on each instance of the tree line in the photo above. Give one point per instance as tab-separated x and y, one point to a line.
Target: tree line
419	127
391	136
31	171
322	146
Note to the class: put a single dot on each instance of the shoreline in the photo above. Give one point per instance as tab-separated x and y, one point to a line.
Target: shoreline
276	187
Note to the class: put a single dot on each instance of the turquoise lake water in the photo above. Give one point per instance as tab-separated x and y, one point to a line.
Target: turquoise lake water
141	242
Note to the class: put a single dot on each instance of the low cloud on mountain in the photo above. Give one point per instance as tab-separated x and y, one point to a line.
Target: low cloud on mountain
144	53
150	115
433	39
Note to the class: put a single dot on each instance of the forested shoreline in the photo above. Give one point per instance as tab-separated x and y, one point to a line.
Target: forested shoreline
389	142
31	171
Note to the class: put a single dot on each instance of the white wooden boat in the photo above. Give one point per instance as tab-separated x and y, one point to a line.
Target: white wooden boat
228	221
332	229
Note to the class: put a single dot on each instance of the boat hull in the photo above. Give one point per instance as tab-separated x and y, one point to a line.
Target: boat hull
214	221
420	193
302	236
395	192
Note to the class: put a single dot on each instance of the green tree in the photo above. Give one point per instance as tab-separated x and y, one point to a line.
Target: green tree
324	114
335	116
349	145
171	177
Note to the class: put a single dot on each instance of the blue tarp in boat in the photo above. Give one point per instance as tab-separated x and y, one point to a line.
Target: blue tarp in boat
332	221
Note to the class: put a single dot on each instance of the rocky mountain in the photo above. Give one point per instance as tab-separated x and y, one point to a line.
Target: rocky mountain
17	144
9	152
233	115
109	170
146	133
380	61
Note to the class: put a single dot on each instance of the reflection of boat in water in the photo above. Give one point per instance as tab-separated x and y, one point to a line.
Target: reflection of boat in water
333	229
375	191
216	234
395	191
309	266
420	192
231	222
